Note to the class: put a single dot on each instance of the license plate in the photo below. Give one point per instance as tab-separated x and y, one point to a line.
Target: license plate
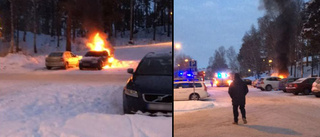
86	64
167	107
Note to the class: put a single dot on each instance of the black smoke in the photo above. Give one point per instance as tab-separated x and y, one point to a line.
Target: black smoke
285	17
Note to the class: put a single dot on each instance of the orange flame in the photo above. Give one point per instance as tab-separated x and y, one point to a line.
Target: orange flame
279	75
97	43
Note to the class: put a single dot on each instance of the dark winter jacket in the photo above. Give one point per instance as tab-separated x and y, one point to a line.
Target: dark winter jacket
238	91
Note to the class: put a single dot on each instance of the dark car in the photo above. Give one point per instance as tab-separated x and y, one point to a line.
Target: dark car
302	85
284	82
94	59
149	89
247	81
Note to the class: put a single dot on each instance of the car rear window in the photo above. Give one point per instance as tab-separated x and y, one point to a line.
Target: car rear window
155	66
95	54
56	54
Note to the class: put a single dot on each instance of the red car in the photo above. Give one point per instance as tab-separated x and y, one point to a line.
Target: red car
302	85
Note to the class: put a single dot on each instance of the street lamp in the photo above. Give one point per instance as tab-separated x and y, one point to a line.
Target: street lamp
186	60
249	70
177	46
178	65
270	60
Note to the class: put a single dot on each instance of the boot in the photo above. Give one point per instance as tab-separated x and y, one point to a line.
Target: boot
244	120
235	123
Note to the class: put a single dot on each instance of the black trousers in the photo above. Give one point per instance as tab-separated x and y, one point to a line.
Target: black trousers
236	113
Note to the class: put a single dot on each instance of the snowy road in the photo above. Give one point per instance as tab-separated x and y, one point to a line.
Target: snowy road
274	113
72	103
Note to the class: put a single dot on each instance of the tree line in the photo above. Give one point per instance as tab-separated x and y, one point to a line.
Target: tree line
78	18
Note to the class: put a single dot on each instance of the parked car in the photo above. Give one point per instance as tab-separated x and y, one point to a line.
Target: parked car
268	83
247	81
150	86
316	87
254	83
302	85
283	83
185	90
64	59
95	59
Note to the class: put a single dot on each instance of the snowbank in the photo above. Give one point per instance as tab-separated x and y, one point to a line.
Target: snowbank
80	109
21	62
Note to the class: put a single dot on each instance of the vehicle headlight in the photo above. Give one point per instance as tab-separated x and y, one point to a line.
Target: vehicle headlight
130	92
95	61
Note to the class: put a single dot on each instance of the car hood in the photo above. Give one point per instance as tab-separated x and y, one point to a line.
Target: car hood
153	84
89	58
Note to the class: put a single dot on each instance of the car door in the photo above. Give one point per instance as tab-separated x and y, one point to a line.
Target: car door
74	59
181	91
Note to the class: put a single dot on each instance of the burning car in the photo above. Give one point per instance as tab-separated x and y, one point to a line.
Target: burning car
150	86
95	59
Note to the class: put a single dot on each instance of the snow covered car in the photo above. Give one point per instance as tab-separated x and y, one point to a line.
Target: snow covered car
268	83
189	90
302	85
149	89
63	59
95	59
316	87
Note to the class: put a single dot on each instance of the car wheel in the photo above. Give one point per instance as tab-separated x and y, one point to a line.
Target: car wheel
66	66
318	96
100	66
295	93
48	68
126	110
262	89
306	91
194	96
268	87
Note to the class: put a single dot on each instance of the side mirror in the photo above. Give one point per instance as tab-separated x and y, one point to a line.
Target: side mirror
130	70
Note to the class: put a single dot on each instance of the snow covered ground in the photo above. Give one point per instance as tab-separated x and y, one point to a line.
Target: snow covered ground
72	103
128	55
274	113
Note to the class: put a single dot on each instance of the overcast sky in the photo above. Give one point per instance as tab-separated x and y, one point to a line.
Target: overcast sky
201	26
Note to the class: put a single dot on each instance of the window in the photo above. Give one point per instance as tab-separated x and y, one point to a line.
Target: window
56	54
311	80
155	66
198	85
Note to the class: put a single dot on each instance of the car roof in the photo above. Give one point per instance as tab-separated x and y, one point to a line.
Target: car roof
188	82
59	51
158	55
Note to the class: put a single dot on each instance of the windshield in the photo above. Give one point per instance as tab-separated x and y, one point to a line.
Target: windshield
56	54
155	66
95	54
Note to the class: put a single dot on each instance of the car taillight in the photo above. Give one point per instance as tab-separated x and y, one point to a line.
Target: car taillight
61	59
261	82
295	85
205	87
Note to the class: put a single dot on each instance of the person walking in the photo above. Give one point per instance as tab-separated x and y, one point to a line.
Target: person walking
238	91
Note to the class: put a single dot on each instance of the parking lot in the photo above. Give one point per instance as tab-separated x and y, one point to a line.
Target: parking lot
269	113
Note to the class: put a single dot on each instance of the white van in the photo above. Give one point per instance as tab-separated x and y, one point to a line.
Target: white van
189	90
